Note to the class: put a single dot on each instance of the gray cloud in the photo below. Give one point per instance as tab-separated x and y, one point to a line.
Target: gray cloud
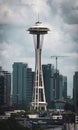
65	17
69	12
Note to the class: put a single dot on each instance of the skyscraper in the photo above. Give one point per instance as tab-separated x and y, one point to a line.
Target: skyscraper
1	88
5	87
29	87
75	90
65	87
48	72
22	85
55	84
62	87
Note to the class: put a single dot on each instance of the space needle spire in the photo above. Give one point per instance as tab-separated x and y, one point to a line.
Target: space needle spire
38	96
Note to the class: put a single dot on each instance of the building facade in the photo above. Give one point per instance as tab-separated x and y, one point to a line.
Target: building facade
55	85
1	89
62	87
65	87
22	85
5	88
61	91
48	72
75	90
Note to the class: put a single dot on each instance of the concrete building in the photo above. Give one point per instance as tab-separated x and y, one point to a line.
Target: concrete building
22	85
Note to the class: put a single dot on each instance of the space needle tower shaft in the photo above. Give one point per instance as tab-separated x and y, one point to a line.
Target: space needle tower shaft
38	97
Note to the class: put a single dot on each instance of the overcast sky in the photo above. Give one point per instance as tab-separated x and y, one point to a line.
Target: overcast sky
16	44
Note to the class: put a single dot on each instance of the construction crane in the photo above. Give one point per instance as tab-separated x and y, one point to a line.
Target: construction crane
56	58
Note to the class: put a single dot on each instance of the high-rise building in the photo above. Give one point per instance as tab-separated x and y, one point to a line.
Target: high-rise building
65	87
48	72
5	87
75	90
29	87
55	84
22	85
1	89
62	87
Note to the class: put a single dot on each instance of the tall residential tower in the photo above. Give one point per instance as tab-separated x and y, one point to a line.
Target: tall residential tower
22	85
5	88
75	90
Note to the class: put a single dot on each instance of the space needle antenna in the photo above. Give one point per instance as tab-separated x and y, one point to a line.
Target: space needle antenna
38	17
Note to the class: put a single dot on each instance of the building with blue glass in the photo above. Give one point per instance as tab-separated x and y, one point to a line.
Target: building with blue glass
48	72
22	85
55	85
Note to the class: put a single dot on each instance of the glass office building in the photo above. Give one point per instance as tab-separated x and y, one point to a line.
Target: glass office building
22	85
48	72
75	90
55	84
5	88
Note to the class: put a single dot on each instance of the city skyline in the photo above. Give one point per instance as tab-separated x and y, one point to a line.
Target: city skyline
16	45
23	80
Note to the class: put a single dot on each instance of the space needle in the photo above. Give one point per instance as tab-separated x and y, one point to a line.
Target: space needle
38	96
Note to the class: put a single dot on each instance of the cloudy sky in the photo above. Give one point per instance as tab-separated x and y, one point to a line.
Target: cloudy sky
16	44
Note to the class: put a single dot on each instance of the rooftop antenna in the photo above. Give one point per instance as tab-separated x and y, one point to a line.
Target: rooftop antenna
38	17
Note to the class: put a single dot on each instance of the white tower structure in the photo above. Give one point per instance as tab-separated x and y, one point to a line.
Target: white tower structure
38	97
